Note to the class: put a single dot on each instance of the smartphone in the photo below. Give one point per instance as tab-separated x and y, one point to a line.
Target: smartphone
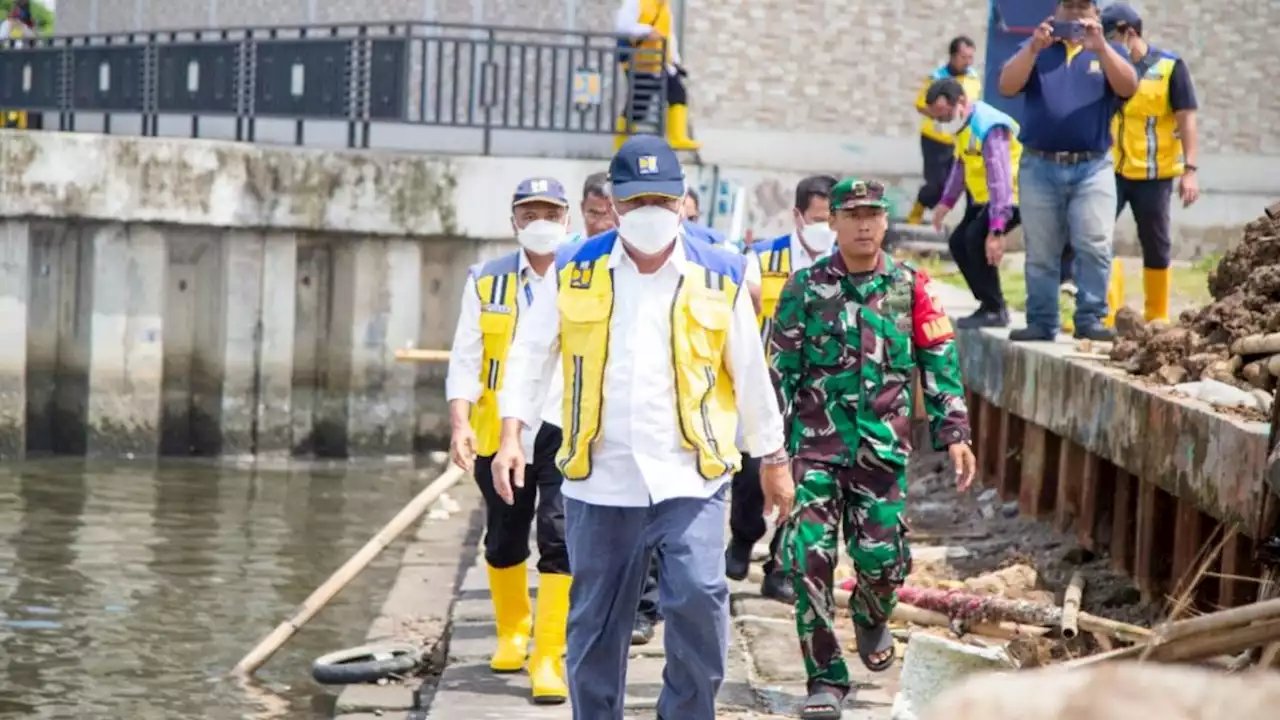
1068	29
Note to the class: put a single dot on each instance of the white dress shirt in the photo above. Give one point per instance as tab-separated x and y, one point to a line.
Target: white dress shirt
463	380
638	458
627	21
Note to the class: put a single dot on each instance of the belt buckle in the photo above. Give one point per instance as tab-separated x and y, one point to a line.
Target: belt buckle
1065	157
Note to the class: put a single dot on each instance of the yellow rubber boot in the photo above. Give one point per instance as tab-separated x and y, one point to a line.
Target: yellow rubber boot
678	129
1115	293
1156	285
546	665
620	133
916	216
510	590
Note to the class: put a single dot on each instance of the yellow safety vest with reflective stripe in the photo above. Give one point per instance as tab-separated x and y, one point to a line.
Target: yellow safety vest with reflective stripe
649	56
972	84
774	257
969	140
706	408
497	284
1145	131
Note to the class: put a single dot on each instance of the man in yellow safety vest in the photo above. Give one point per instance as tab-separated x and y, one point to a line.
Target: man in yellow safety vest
495	302
937	146
1155	142
657	322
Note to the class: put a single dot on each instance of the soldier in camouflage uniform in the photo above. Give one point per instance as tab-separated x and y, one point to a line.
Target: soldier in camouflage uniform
849	333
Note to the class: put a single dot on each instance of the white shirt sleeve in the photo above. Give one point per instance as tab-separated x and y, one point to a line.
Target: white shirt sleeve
627	20
463	380
753	276
758	412
531	360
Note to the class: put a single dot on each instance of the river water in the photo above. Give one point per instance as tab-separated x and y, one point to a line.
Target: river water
129	590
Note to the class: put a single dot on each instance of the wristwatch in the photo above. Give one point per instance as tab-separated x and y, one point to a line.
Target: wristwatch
777	457
1190	168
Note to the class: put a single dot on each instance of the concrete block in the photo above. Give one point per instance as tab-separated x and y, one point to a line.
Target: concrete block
376	698
15	255
43	324
126	340
276	347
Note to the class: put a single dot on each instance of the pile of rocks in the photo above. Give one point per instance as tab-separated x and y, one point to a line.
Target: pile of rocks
1235	339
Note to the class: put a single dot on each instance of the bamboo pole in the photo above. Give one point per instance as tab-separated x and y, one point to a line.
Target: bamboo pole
1071	606
343	575
422	355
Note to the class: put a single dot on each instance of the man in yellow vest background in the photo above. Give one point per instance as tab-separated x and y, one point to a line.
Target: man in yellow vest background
1155	142
987	153
646	24
662	360
937	146
495	301
770	264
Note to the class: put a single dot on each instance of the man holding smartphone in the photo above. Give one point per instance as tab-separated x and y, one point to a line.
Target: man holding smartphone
1072	81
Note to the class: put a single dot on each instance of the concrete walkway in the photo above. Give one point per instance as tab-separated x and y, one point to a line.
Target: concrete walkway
765	675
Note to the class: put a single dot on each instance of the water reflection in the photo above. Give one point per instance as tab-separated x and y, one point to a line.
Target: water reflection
129	591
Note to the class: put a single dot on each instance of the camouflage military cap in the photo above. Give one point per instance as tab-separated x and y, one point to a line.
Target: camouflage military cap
855	192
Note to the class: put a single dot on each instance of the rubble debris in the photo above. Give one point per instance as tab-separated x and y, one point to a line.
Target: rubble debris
1233	340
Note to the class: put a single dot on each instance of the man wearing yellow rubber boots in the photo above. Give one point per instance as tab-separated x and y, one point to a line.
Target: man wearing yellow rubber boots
1155	142
659	324
645	25
495	301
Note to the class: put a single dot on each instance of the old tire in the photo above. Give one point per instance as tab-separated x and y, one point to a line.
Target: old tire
366	663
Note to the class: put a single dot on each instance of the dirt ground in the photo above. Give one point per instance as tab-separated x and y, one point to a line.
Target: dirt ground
985	534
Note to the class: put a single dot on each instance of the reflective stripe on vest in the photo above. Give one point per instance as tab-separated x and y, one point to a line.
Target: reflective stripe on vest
969	150
972	85
701	315
1145	131
497	285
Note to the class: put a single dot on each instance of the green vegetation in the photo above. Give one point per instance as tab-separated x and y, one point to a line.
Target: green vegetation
43	16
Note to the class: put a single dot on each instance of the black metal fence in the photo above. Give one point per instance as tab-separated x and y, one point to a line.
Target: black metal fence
484	78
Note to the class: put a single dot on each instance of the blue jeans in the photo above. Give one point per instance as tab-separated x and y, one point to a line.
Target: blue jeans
1067	206
609	551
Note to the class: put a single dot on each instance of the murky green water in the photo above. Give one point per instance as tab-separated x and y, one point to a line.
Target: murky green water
128	591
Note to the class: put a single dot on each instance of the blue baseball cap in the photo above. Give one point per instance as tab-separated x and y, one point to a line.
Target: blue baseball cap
540	189
1120	14
646	165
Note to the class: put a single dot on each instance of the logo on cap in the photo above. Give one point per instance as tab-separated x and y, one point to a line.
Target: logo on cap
859	190
538	186
648	165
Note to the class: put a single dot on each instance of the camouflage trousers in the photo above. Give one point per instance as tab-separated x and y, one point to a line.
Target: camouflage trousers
866	503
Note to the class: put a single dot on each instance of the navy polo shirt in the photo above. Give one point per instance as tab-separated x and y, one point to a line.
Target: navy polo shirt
1068	103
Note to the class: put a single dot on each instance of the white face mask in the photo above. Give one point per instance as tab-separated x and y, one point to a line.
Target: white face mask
954	125
649	229
542	237
818	237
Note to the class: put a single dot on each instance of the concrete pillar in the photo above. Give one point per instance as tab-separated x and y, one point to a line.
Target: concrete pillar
257	342
377	311
314	300
15	252
125	340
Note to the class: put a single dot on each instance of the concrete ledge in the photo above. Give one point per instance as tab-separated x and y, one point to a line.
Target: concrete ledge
1183	446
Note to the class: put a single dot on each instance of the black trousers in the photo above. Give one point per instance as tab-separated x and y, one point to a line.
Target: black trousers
649	593
968	244
938	158
746	512
1149	200
506	529
647	94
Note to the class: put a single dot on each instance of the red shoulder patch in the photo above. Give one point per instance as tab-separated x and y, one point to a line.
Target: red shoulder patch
929	322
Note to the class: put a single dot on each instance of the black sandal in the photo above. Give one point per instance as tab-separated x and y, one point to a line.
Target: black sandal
875	640
824	703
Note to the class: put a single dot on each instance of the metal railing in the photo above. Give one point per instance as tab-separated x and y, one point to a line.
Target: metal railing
404	74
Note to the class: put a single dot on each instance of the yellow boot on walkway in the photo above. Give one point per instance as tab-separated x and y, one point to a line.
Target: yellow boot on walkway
546	664
1115	293
1156	286
678	129
916	216
510	590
